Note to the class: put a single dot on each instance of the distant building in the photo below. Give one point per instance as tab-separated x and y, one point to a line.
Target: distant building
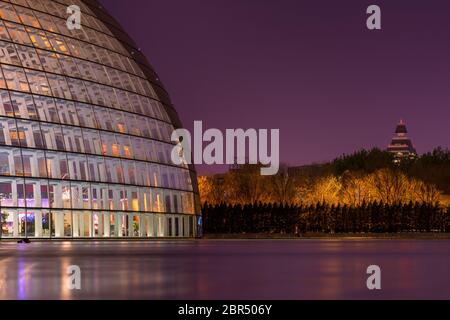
401	145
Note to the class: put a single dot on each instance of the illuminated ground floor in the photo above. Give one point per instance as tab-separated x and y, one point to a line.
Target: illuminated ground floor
45	224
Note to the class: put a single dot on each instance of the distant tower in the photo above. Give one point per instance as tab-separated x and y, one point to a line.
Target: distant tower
401	146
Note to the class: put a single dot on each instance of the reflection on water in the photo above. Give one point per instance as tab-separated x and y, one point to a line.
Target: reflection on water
297	269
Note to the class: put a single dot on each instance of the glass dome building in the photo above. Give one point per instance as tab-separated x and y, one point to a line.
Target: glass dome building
85	127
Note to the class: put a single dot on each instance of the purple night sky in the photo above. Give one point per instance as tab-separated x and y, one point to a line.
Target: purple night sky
309	68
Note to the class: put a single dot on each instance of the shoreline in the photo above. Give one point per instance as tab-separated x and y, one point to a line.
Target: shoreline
327	236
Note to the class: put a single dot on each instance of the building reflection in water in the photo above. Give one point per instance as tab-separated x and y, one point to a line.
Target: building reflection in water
312	269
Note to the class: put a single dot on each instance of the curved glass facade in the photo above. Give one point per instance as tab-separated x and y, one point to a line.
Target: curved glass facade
85	130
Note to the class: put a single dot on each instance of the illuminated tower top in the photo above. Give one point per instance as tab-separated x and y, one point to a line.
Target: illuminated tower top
401	145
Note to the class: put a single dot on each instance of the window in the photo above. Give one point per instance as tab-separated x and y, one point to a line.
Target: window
3	32
9	192
138	148
110	97
61	223
73	139
76	48
118	121
100	73
68	66
6	127
97	170
27	17
6	108
78	90
91	53
23	106
7	12
29	57
147	107
8	53
126	81
17	160
95	93
18	33
125	146
81	195
45	20
143	126
15	78
59	87
86	115
2	81
4	164
38	223
115	150
46	109
35	163
103	118
57	167
38	82
17	137
131	172
53	138
57	43
49	61
92	142
26	162
85	70
28	131
67	113
135	103
122	97
104	56
39	38
78	167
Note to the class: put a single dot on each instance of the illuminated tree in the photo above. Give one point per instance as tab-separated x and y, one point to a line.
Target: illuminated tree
326	190
390	186
246	185
356	189
424	192
211	190
282	186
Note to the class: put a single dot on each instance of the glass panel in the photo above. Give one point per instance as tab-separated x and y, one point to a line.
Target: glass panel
38	82
27	17
46	109
67	113
18	33
53	137
38	223
29	57
59	86
86	115
61	224
8	53
15	78
7	12
49	61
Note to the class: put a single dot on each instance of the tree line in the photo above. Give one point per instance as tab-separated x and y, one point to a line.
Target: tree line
362	192
365	176
373	217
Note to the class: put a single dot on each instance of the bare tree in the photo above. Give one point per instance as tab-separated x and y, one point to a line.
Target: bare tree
390	186
283	186
211	189
424	192
356	188
246	185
